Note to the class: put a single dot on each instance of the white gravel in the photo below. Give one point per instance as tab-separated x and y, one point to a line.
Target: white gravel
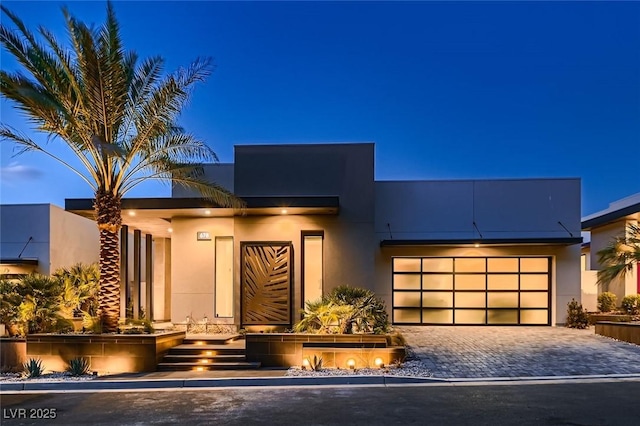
47	377
413	368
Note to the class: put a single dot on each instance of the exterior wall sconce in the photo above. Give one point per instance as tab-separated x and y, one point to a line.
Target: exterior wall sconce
476	245
379	363
351	363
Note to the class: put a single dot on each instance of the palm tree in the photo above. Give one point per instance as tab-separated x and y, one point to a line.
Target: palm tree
115	113
619	256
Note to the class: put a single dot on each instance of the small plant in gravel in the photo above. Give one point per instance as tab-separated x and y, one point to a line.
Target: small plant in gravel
315	363
33	368
607	301
78	367
577	316
631	304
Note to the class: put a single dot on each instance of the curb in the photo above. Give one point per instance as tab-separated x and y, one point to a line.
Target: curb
113	385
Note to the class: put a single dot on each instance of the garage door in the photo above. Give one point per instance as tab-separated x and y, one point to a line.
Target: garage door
472	290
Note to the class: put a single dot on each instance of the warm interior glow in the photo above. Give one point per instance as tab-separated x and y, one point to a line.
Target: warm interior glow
132	213
351	363
379	362
283	211
204	361
207	212
199	342
199	368
209	353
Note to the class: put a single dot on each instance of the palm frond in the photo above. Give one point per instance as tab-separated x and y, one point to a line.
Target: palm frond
619	257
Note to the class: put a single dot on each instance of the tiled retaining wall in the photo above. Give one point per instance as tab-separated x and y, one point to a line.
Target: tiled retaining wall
13	354
287	349
107	353
627	332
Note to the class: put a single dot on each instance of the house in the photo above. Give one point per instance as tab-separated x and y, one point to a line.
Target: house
43	238
494	252
603	227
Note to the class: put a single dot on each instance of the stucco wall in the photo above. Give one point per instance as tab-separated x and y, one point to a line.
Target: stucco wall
19	222
192	266
74	239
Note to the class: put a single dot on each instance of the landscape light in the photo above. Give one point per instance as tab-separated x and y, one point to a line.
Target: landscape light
379	362
351	363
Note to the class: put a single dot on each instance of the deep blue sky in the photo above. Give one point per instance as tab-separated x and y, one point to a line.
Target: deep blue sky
445	90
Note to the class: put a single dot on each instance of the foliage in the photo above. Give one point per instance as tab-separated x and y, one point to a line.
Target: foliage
117	115
81	286
39	310
577	316
631	304
91	324
78	367
607	301
345	310
315	363
141	326
33	368
10	300
619	256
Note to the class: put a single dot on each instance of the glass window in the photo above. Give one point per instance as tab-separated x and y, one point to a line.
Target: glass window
534	282
437	264
313	267
406	282
437	282
534	264
502	264
406	264
502	282
534	316
470	264
437	299
406	315
406	298
503	300
437	316
464	316
534	300
503	316
470	282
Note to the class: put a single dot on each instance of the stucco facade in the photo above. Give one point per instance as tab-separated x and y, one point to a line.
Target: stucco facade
316	218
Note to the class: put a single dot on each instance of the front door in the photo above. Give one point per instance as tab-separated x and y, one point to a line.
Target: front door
266	283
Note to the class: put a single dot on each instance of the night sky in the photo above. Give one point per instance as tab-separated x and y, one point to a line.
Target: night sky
451	90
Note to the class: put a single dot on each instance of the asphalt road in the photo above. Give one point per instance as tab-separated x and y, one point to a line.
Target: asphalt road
612	403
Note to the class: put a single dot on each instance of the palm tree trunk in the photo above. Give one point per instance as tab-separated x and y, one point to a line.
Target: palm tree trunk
108	214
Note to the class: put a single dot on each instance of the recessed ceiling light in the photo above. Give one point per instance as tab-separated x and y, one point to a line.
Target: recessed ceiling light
207	212
132	213
283	211
476	245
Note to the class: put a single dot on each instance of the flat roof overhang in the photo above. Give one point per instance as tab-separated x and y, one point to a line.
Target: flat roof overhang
153	215
630	212
482	242
19	262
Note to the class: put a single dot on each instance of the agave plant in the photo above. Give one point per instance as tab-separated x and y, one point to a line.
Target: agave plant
115	114
33	368
78	367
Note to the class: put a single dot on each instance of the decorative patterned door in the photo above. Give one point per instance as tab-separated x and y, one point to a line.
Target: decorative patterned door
266	283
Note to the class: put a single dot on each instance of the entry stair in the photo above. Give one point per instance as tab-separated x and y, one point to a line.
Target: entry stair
208	352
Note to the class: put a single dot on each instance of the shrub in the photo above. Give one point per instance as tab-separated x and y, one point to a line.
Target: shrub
577	316
10	300
33	368
631	304
39	310
78	367
81	285
606	301
345	310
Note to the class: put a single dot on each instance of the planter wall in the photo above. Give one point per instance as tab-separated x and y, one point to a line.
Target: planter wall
627	332
13	354
107	353
287	349
595	318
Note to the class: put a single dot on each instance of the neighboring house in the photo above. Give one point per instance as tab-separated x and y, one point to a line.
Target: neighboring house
495	252
42	238
603	227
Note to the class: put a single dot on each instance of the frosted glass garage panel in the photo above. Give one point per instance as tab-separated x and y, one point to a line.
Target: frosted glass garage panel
437	316
499	264
437	282
534	282
502	300
502	316
534	316
406	299
470	282
470	316
437	299
403	264
470	264
435	264
502	282
534	300
406	315
470	299
534	264
406	282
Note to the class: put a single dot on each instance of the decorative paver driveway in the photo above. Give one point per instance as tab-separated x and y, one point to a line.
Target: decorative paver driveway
465	352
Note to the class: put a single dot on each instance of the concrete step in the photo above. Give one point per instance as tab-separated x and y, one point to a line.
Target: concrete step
187	366
211	358
212	339
207	350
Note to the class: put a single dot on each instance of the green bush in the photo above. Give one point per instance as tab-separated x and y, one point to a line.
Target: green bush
78	367
631	304
33	368
577	316
345	310
607	301
81	285
39	310
10	300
